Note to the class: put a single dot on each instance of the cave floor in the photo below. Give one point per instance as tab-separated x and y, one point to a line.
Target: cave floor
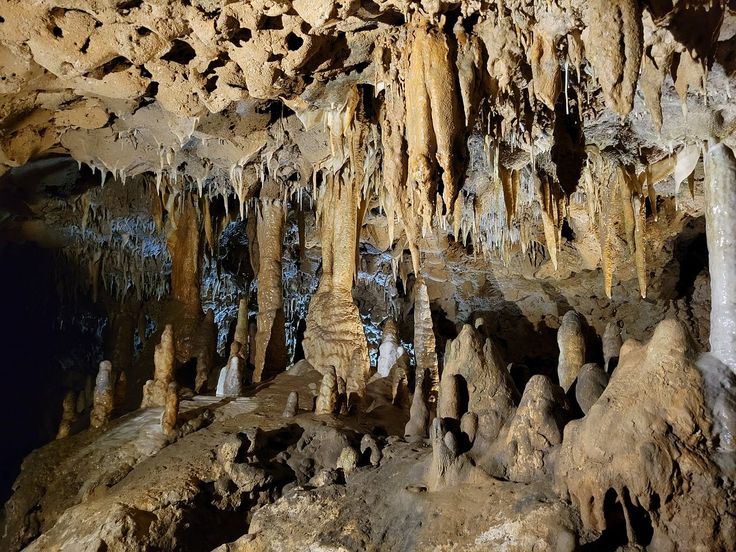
127	487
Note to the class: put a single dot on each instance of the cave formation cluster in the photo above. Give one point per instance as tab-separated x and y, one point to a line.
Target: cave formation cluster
387	275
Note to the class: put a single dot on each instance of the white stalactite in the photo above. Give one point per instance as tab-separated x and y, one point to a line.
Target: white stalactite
720	213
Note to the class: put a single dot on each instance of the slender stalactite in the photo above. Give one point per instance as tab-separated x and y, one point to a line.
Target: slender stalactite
720	213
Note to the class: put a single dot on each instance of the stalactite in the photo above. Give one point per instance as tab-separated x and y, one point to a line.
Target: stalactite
185	247
720	210
613	45
547	79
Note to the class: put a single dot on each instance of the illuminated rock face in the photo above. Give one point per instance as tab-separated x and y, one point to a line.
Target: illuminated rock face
408	222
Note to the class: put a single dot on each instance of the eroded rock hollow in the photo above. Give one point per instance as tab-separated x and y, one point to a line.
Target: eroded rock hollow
393	275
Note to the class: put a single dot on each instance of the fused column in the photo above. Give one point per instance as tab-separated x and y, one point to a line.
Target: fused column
720	214
270	343
334	336
102	402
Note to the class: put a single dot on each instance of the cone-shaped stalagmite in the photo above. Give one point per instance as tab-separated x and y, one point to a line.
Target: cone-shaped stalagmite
154	392
171	409
424	339
103	396
270	343
571	343
68	415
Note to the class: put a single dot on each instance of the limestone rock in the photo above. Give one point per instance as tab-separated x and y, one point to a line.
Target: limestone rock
481	374
292	405
592	380
416	427
155	390
649	440
535	430
103	398
571	343
68	415
328	395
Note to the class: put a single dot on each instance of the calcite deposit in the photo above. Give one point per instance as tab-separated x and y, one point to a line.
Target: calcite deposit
391	275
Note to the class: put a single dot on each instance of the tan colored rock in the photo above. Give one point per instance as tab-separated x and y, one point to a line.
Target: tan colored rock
170	414
334	337
571	343
102	405
270	344
369	443
449	401
591	382
650	440
68	415
424	338
328	394
479	368
155	390
292	405
613	45
348	460
534	431
469	426
611	342
417	426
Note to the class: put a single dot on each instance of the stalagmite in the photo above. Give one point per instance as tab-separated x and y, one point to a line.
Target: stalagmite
571	343
230	380
424	339
68	415
270	344
592	380
328	395
390	351
155	390
368	443
171	409
103	396
448	402
612	342
241	326
416	427
469	426
720	213
292	405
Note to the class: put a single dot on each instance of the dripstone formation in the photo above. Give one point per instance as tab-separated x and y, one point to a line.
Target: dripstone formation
392	275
